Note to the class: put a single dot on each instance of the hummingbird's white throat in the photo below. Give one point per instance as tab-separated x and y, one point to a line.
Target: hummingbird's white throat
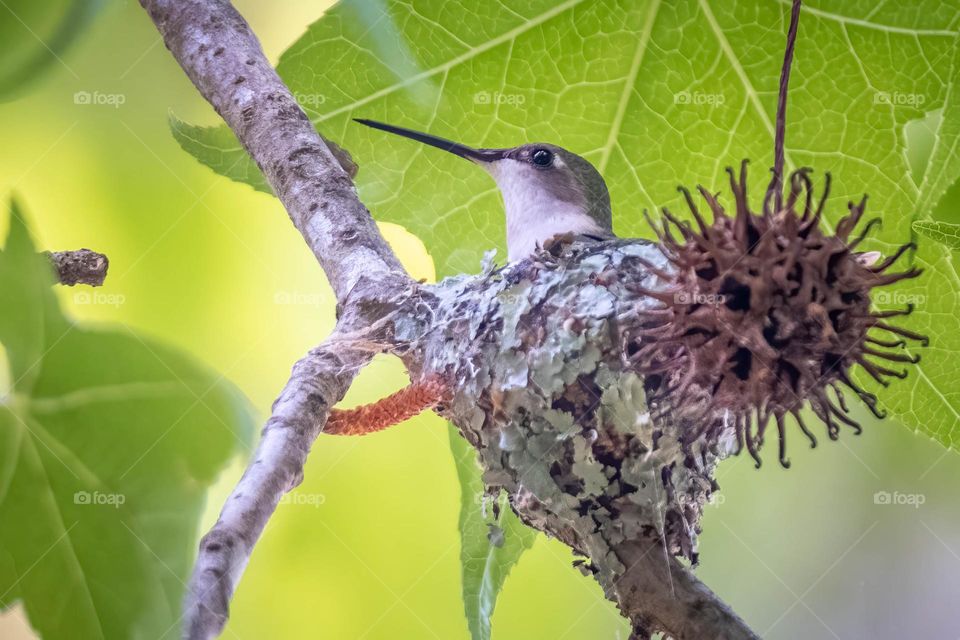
538	208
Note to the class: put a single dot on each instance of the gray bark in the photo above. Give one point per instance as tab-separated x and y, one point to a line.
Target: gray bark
380	308
315	384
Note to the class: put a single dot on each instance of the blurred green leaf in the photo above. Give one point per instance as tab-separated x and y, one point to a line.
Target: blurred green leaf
27	278
485	564
656	94
35	34
108	442
945	233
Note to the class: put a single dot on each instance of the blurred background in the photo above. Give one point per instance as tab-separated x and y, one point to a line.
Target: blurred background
370	549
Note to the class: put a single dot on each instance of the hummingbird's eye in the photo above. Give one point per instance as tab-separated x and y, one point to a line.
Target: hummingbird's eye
542	157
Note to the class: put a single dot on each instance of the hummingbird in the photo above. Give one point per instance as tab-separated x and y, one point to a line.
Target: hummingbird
548	193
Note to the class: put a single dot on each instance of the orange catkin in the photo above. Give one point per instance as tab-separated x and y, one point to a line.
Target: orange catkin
386	412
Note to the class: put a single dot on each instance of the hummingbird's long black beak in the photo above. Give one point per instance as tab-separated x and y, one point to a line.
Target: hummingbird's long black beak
462	150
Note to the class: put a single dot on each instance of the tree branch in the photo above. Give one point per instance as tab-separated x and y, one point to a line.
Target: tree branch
79	267
313	179
317	382
223	58
660	593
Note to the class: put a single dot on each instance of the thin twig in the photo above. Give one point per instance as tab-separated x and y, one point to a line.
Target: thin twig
776	183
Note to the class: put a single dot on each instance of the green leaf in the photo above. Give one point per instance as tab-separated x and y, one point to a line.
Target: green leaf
943	164
485	563
656	94
27	277
34	36
107	444
943	232
218	147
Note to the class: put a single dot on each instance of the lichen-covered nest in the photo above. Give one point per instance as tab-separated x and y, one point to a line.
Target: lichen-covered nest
601	383
559	416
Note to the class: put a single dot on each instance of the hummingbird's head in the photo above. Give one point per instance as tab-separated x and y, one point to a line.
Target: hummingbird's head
547	190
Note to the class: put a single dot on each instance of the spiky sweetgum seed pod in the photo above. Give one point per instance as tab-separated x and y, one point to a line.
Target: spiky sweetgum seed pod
763	313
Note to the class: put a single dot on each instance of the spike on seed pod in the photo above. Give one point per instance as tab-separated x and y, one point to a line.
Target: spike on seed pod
765	313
